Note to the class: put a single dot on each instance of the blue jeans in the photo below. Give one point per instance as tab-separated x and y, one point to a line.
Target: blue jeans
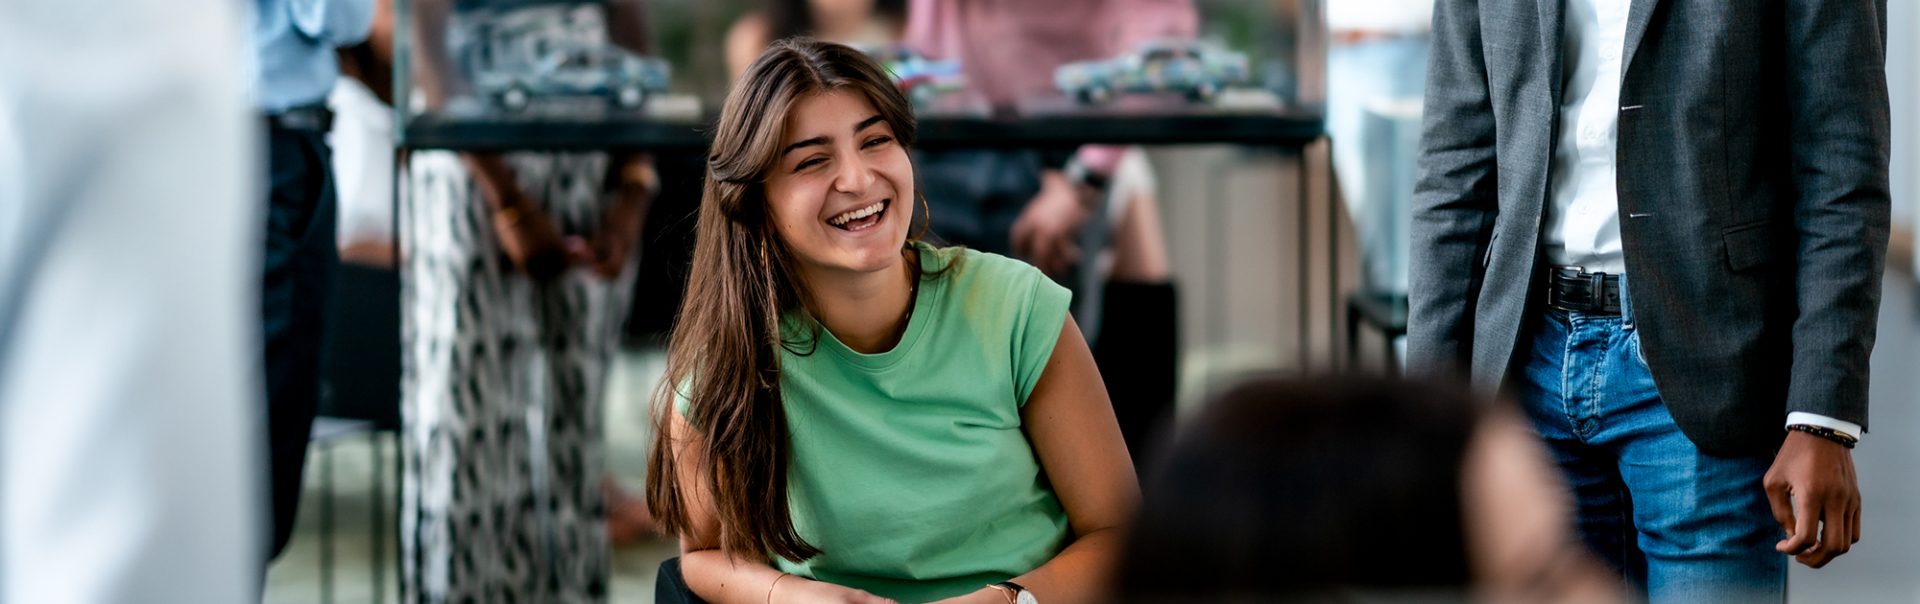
1682	524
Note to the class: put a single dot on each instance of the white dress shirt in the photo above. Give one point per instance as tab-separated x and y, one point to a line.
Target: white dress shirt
1582	222
1582	216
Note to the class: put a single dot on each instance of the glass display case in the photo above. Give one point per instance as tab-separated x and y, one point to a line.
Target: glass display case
649	75
580	74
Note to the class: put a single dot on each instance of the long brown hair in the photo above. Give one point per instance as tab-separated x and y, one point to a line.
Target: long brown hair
724	357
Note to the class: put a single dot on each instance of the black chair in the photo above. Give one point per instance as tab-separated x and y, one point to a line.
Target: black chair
360	396
1385	313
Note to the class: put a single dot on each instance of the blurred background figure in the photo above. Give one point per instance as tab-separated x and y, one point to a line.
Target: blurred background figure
363	160
858	23
295	68
1378	53
1344	490
517	279
1376	76
129	240
1086	216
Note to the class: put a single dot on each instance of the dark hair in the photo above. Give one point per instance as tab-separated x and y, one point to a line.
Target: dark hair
724	356
1294	489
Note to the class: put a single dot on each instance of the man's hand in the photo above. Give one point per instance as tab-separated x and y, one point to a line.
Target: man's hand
1048	230
1815	497
619	233
527	236
531	241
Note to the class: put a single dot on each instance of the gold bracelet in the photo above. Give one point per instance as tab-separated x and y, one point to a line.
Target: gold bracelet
776	583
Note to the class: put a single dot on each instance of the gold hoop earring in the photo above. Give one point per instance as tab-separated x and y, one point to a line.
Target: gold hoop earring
927	222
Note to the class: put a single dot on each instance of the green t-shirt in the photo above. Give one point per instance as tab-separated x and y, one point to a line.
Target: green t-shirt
909	468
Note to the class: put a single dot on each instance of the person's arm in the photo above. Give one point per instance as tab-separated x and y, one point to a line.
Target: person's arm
1046	234
1840	132
1455	199
1837	92
712	574
632	182
1070	422
434	70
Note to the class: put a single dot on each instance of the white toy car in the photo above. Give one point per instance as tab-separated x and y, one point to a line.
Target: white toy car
1193	68
623	79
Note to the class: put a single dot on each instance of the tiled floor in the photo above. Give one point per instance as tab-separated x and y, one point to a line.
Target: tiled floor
1883	568
296	577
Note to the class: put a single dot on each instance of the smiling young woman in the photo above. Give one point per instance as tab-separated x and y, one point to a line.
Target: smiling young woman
850	414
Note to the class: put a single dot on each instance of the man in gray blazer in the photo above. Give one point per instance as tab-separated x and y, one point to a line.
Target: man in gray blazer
1660	225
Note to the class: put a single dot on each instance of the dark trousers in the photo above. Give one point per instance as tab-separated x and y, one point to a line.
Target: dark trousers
298	272
1137	352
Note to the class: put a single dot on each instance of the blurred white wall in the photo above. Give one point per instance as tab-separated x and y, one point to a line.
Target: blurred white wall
1903	58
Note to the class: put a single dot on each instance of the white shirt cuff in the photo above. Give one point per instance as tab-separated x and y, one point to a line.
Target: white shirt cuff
1814	419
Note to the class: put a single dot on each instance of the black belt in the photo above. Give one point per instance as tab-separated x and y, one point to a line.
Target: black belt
305	118
1574	290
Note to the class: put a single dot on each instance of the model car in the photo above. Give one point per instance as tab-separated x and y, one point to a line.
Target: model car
922	79
1196	69
624	80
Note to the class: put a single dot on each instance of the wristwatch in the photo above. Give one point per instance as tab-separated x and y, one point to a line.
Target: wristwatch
1080	173
1015	593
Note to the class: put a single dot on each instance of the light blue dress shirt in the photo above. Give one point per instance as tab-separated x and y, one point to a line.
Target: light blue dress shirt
293	42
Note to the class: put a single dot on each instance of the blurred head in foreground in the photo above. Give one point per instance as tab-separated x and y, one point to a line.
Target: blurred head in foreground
1348	489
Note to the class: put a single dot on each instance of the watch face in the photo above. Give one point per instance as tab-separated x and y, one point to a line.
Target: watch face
1026	597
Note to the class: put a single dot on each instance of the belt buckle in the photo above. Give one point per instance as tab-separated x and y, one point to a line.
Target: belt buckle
310	118
1597	292
1573	289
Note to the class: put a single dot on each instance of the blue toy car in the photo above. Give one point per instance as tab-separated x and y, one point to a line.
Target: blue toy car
922	79
624	80
1196	69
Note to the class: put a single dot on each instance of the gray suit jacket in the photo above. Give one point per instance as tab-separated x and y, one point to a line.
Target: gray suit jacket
1752	178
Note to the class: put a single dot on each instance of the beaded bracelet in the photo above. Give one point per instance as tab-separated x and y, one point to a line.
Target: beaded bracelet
1831	434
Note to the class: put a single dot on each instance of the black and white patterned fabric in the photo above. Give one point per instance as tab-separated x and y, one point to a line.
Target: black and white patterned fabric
503	381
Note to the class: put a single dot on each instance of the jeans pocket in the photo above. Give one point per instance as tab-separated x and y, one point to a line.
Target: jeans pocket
1638	352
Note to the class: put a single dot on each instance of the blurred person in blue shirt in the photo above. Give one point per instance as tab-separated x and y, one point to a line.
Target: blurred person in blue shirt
293	43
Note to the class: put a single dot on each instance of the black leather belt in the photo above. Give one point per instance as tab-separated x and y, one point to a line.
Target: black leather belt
305	118
1574	290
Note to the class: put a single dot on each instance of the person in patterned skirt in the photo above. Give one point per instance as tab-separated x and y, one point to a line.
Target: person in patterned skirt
516	278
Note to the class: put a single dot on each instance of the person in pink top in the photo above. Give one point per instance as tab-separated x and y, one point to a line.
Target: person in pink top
1009	48
1024	204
